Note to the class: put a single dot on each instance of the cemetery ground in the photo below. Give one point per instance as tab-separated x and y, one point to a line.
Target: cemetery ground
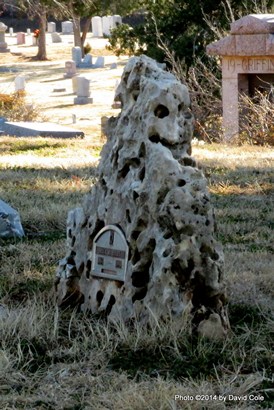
66	360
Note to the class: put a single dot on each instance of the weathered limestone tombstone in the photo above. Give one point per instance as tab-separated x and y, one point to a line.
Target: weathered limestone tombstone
97	26
247	64
3	44
70	68
56	38
51	27
144	239
20	83
76	55
67	27
83	92
20	38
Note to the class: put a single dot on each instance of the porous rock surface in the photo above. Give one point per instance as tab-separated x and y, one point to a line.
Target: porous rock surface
149	186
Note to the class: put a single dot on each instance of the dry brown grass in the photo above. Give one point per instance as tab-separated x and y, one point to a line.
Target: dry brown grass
55	360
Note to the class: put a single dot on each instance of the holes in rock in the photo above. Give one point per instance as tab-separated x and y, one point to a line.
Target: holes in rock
142	174
139	295
207	222
168	235
88	268
99	297
69	233
181	182
140	278
98	226
135	162
111	302
81	268
71	260
187	161
103	182
166	253
195	209
188	230
135	234
161	111
135	195
182	273
111	191
73	241
187	115
161	196
128	216
142	150
124	171
154	138
135	95
135	257
181	106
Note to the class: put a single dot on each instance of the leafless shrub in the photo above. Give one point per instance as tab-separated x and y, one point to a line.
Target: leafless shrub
257	118
14	107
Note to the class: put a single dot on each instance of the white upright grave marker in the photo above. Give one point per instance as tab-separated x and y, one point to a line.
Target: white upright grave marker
97	26
106	23
110	254
67	27
20	83
77	55
51	27
83	92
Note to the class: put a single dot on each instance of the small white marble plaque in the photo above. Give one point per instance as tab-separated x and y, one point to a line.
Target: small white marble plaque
110	254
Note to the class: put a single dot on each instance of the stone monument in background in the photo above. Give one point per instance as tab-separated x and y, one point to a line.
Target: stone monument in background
144	239
247	64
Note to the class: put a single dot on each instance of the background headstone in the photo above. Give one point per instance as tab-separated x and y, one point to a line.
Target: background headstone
20	37
67	27
56	38
83	92
97	26
76	55
100	62
106	25
116	20
87	61
28	31
20	83
51	27
70	68
11	31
